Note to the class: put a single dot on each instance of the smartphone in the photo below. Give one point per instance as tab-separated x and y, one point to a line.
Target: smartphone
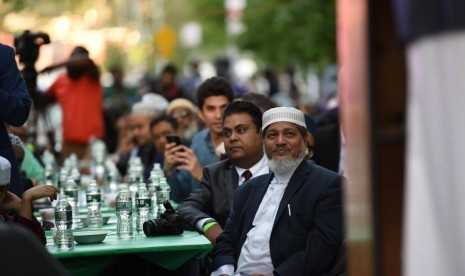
174	138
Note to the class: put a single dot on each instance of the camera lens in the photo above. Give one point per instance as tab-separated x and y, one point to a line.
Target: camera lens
150	228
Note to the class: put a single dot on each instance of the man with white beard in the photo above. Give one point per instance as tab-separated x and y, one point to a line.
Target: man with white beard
288	222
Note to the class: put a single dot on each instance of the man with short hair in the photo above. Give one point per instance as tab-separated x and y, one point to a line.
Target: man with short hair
207	208
288	222
160	127
213	95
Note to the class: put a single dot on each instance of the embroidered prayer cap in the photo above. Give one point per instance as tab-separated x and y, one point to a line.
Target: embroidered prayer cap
5	171
176	103
283	114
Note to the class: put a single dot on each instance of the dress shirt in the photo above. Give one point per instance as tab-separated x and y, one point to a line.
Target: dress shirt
261	167
255	256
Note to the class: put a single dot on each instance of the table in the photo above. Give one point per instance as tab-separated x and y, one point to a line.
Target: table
169	252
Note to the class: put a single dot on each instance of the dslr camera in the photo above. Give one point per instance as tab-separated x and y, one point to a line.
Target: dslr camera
168	223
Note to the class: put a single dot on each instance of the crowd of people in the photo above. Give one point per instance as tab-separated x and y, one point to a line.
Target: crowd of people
243	169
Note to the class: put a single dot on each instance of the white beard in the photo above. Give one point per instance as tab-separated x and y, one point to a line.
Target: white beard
284	167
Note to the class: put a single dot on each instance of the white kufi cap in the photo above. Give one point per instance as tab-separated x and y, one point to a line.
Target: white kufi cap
151	104
283	114
5	171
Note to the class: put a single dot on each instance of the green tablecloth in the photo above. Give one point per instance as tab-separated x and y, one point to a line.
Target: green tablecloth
169	252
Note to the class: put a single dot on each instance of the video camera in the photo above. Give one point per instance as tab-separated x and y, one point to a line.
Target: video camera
169	223
27	46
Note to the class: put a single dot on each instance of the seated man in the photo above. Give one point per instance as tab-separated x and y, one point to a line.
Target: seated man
208	207
183	165
160	127
288	222
9	203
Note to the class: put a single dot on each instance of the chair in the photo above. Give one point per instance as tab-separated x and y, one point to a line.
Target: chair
22	254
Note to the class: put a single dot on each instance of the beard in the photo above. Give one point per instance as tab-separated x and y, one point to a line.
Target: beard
284	167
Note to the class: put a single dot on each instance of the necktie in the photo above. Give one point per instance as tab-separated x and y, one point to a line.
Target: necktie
246	175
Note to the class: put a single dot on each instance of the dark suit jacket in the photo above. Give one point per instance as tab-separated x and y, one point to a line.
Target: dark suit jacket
303	243
15	104
214	197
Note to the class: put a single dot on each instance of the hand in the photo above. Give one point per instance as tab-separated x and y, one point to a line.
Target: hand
40	192
33	194
188	161
220	150
11	203
212	233
169	154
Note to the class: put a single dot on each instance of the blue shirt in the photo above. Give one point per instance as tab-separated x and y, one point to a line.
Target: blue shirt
181	182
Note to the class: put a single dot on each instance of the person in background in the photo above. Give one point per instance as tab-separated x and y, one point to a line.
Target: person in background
263	102
80	96
288	222
20	152
207	208
15	105
117	101
166	85
213	95
142	114
191	81
22	208
32	165
160	127
184	111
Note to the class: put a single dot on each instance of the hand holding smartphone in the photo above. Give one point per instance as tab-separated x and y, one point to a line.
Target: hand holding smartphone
174	139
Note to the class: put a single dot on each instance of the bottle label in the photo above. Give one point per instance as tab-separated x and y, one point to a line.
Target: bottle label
143	202
97	197
123	206
71	193
64	215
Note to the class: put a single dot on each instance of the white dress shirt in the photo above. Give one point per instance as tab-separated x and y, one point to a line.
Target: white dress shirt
255	256
261	167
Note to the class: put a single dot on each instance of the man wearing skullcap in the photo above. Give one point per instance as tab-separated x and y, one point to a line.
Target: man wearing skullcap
21	209
288	222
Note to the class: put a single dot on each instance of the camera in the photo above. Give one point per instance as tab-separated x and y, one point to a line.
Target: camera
169	223
27	45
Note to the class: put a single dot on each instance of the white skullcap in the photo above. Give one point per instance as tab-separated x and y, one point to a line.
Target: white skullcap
5	171
283	114
157	101
180	102
151	105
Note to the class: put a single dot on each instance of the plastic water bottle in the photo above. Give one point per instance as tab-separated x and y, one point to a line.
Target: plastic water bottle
72	193
143	206
62	177
76	176
158	170
124	214
64	222
94	201
163	194
153	186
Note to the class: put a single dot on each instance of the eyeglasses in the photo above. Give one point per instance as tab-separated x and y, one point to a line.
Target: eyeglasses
181	114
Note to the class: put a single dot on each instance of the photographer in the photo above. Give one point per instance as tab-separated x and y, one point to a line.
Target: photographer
80	95
16	104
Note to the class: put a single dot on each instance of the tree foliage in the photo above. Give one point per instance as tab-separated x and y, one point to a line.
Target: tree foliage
285	32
